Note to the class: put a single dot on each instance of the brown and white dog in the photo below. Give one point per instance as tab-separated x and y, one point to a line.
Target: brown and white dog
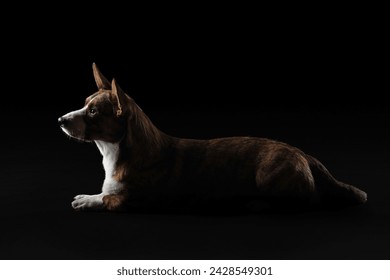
142	163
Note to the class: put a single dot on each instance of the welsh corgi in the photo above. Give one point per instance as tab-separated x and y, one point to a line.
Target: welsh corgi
142	163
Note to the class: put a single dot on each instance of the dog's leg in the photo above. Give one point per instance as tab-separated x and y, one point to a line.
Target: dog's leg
114	202
111	202
111	198
85	201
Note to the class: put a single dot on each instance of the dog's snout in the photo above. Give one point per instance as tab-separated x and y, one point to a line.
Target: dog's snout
62	121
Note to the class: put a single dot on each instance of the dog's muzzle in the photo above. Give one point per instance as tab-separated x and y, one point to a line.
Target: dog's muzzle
62	121
73	124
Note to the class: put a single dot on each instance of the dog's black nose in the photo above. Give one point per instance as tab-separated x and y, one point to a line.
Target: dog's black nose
62	121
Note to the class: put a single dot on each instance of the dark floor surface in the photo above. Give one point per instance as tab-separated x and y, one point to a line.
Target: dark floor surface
41	172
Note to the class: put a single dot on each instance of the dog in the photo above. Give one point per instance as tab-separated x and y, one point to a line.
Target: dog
144	164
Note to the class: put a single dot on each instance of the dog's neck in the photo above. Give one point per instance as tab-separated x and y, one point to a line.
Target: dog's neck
141	144
142	136
110	153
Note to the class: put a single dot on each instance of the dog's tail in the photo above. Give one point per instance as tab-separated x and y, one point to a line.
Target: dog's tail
331	191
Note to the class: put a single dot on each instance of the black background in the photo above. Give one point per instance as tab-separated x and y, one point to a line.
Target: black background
308	80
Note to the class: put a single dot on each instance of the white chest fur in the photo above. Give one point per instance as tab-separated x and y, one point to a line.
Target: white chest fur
110	153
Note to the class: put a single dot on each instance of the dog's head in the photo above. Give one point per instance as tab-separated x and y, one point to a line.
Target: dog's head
103	116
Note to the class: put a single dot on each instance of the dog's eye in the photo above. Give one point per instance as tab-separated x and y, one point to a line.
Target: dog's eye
92	111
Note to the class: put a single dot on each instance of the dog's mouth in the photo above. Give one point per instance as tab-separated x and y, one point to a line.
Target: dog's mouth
75	134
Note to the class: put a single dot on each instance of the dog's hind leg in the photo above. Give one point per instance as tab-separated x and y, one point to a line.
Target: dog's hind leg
88	202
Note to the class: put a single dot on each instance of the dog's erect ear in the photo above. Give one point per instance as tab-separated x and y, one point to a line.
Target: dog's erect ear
120	96
101	81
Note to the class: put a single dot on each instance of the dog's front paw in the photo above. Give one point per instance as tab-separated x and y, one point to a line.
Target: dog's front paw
85	202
